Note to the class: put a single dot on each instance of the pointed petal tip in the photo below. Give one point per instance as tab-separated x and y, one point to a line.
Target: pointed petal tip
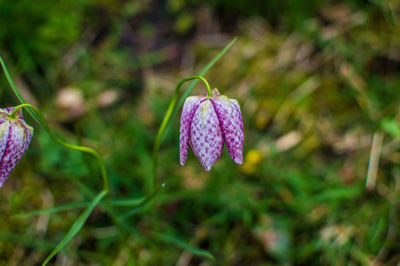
182	159
207	165
230	118
238	161
215	92
207	168
206	136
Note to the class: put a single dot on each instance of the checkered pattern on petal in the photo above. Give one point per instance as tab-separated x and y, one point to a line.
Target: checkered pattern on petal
189	108
5	128
17	143
15	136
230	118
205	135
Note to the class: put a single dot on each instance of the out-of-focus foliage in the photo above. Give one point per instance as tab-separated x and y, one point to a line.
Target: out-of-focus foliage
319	88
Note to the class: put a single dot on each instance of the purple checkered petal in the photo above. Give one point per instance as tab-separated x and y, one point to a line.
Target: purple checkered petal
205	135
189	108
5	128
15	136
230	118
4	115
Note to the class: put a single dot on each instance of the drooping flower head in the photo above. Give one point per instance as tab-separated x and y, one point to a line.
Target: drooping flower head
206	124
15	136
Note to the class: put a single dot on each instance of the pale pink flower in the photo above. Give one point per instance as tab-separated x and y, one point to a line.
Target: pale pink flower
15	136
208	122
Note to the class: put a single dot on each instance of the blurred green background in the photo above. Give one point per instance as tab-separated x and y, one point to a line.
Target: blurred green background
319	87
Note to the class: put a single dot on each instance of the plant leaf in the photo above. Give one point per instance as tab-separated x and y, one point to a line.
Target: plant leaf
77	205
65	207
142	204
179	242
127	202
76	227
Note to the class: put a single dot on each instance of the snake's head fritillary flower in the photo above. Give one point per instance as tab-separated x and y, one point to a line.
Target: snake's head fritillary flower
15	136
206	124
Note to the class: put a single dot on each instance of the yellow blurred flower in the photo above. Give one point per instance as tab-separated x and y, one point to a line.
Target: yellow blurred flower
252	159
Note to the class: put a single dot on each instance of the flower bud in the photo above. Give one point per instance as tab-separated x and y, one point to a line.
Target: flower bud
15	136
206	124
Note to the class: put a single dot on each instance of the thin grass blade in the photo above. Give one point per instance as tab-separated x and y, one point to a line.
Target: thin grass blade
143	204
77	205
76	227
65	207
179	242
127	202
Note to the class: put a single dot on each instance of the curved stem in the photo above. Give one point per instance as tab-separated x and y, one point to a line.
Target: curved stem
16	92
67	145
37	116
14	112
165	122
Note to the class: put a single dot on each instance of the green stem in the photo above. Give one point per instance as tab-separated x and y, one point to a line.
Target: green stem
165	122
68	145
41	121
16	92
14	112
